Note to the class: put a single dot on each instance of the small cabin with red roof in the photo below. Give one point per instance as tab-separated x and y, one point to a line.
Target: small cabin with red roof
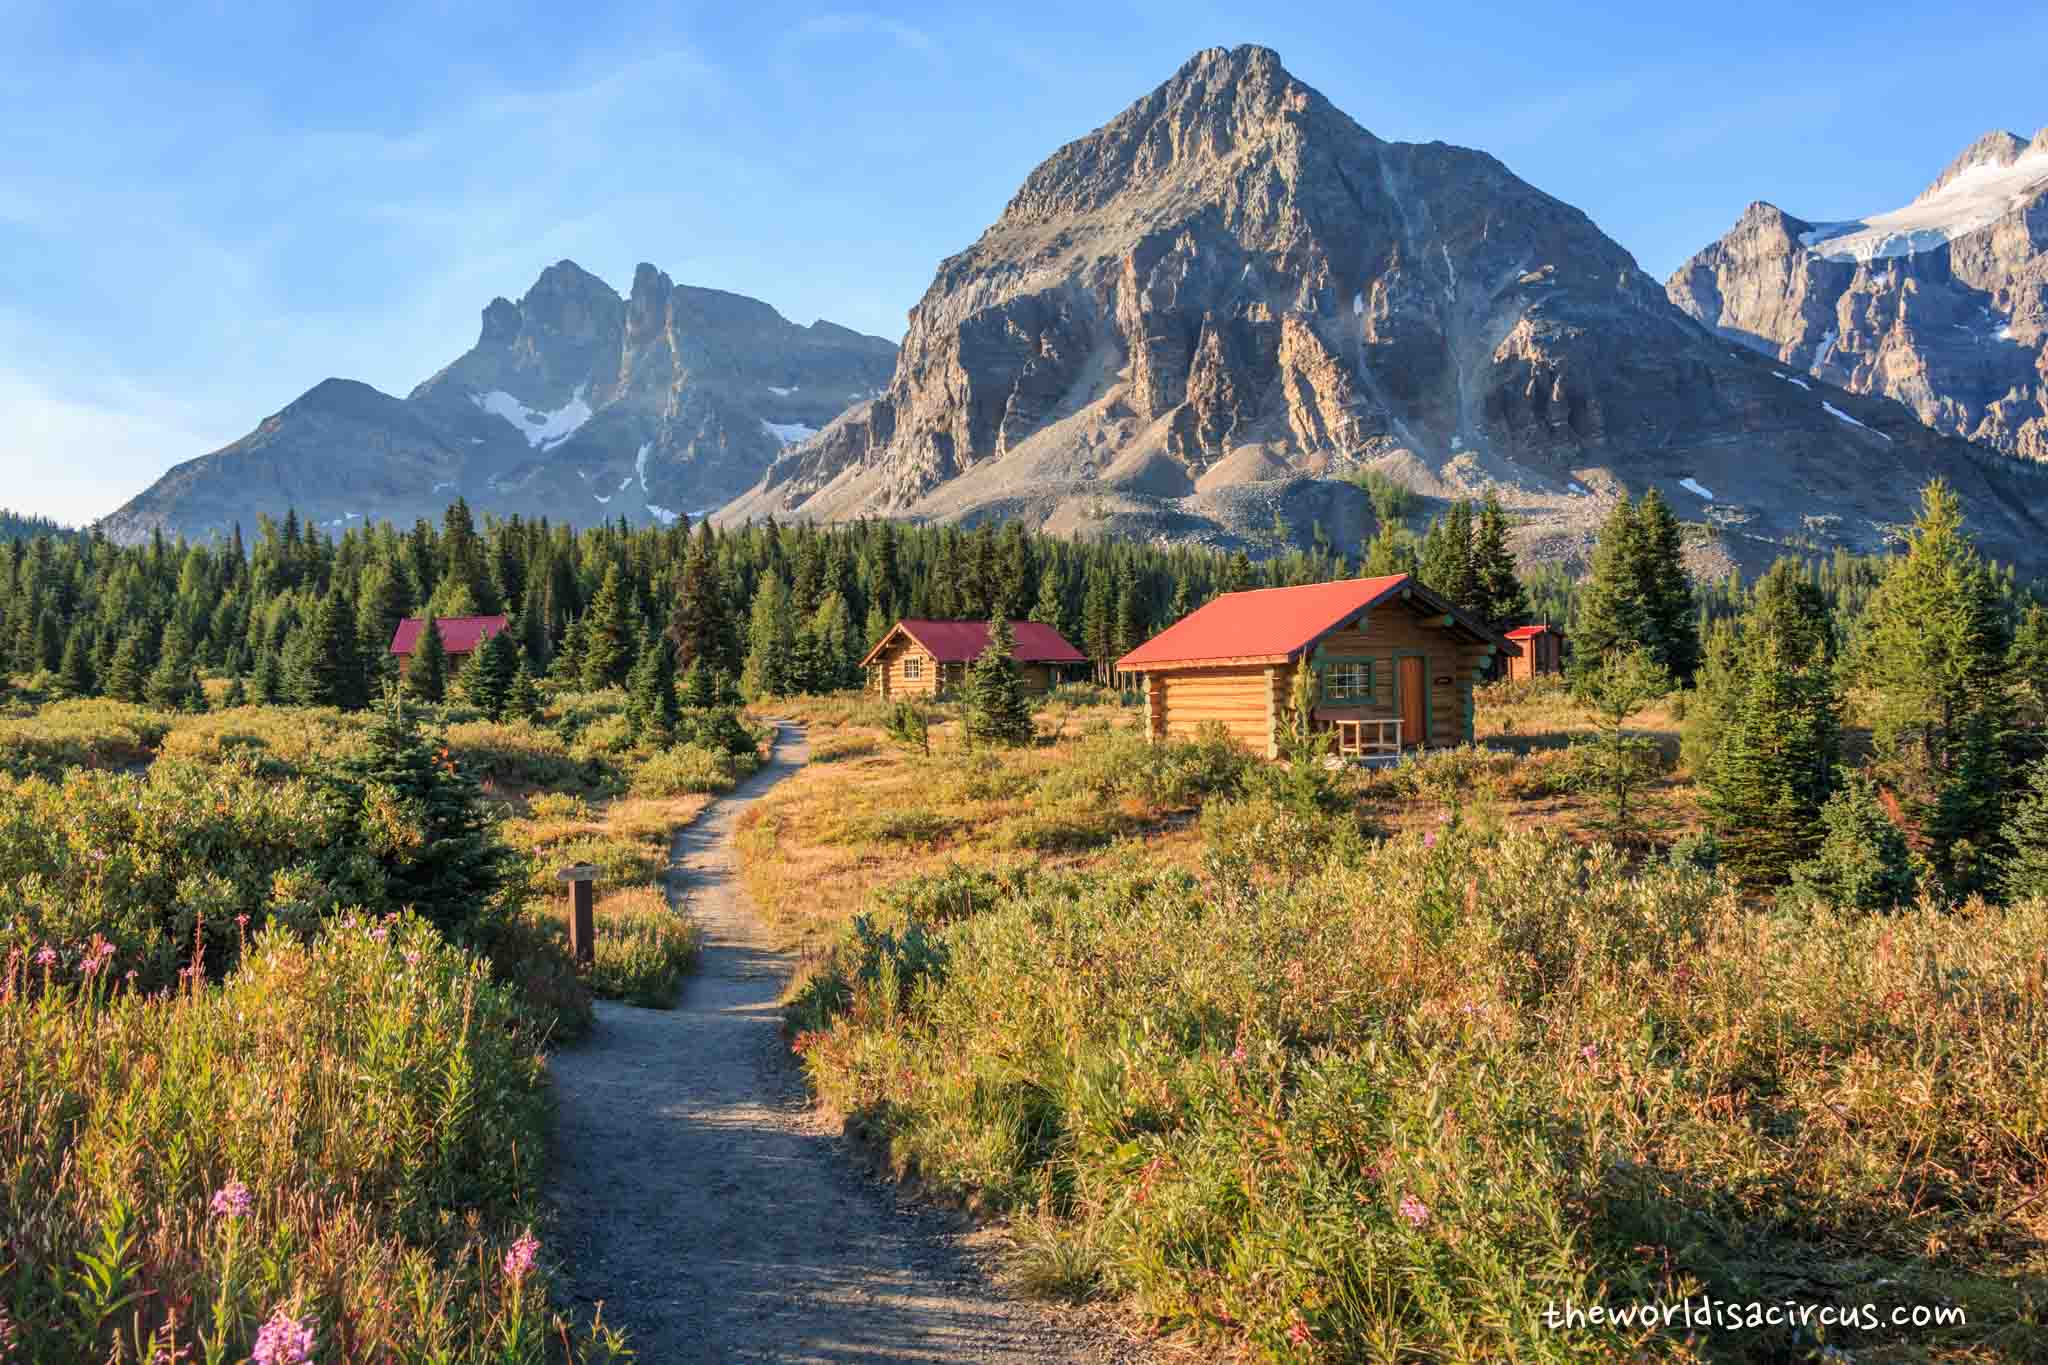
923	658
1394	664
461	636
1542	651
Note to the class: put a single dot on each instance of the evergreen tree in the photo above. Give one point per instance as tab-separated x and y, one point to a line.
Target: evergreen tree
2025	866
522	698
652	712
237	693
609	634
1098	622
126	676
567	667
321	666
771	642
1392	551
450	865
1050	609
1638	596
174	683
1498	592
1622	685
1933	658
1862	862
1773	765
487	677
1447	558
75	674
267	682
995	710
699	623
426	675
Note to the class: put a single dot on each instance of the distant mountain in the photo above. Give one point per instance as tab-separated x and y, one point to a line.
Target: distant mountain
574	404
1187	321
1942	305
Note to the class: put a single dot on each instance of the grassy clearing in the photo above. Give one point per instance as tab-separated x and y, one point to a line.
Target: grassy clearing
1284	1085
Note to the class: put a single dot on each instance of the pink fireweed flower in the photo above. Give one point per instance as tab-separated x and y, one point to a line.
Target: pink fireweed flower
519	1260
1429	839
1414	1210
1298	1333
233	1200
1590	1052
284	1340
379	934
1237	1055
46	957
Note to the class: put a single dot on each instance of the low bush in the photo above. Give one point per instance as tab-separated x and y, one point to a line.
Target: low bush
689	769
642	950
347	1135
95	733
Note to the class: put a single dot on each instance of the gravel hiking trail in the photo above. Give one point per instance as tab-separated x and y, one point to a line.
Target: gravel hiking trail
716	1214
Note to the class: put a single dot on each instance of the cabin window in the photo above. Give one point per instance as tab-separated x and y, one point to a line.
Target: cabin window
913	668
1347	681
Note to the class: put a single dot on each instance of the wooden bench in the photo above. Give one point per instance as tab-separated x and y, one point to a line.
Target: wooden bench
1373	740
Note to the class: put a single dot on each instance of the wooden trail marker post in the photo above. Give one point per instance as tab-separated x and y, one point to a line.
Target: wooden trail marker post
582	924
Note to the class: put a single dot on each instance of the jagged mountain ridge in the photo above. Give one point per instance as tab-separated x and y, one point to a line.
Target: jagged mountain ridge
1941	305
1186	320
575	403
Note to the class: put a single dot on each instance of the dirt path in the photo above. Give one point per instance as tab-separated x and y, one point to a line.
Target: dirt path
717	1218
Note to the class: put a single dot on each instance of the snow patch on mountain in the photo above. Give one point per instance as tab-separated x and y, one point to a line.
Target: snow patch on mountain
1791	379
543	430
1839	415
1692	485
788	433
784	392
1973	201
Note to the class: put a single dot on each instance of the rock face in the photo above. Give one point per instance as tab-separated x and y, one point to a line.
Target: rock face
1188	320
574	404
1942	305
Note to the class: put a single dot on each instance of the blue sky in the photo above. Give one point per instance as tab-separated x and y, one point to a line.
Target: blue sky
205	209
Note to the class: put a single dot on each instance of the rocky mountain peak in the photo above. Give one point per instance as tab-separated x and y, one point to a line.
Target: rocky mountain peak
1199	316
501	323
1995	148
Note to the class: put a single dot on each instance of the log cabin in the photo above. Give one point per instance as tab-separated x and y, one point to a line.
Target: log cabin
1542	651
1394	665
924	658
461	636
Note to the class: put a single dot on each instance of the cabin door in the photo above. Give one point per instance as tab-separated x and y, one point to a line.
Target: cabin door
1413	686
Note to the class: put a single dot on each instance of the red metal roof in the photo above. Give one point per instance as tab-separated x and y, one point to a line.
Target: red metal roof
954	642
1270	623
459	634
1531	632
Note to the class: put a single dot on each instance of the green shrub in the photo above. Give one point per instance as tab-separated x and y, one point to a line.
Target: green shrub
1863	862
95	733
684	771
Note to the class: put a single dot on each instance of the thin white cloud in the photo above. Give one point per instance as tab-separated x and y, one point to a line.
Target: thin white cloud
78	458
848	23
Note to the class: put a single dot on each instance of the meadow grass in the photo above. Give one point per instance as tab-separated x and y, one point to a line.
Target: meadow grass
347	1134
1284	1086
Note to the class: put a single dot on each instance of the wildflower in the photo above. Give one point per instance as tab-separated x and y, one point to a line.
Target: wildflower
284	1340
6	1335
379	934
1414	1210
233	1200
242	922
1298	1333
1429	839
412	957
46	957
1237	1055
519	1260
1590	1052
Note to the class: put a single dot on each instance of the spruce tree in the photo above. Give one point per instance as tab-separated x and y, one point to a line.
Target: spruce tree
2024	869
609	634
771	642
522	698
173	684
1772	767
266	683
126	676
75	674
1050	609
996	711
652	712
1933	659
1446	560
1638	596
237	693
426	674
1499	595
487	677
321	666
1862	862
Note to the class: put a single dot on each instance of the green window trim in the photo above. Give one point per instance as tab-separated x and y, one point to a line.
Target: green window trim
1346	680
